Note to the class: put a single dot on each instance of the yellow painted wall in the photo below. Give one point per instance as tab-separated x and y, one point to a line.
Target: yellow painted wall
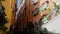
8	10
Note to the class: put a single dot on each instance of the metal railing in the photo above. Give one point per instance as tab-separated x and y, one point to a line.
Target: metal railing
21	5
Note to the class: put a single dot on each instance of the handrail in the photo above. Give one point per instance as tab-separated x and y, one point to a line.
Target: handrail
21	5
45	18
